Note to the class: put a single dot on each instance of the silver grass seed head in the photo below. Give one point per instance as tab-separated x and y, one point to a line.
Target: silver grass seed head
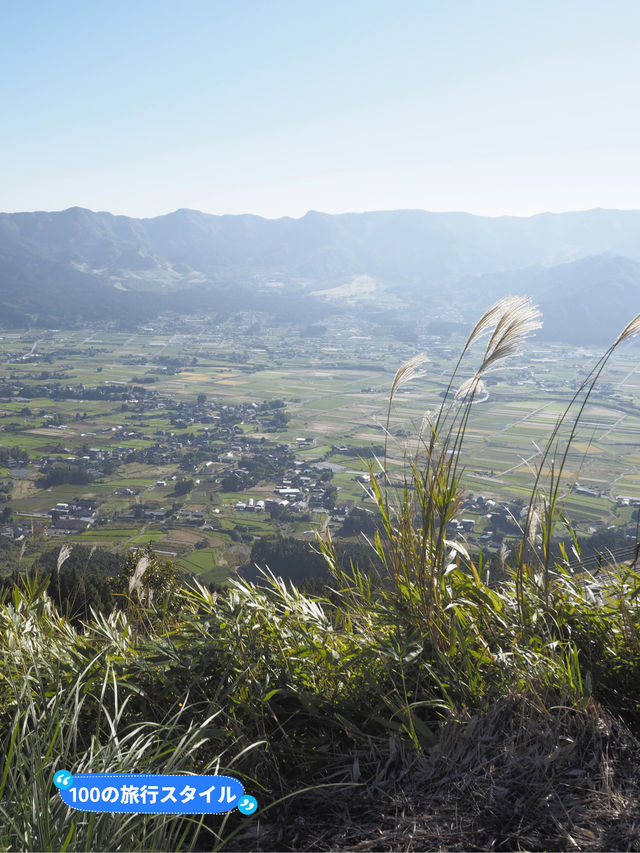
491	316
63	554
629	330
475	385
534	524
135	581
520	318
505	349
427	423
512	312
408	371
515	317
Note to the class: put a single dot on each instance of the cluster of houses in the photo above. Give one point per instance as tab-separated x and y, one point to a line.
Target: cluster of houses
302	488
498	521
94	462
76	516
590	491
15	531
267	416
251	505
627	500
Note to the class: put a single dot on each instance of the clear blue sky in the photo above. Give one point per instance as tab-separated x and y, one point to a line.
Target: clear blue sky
276	107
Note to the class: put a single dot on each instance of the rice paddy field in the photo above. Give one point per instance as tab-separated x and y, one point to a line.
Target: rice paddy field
336	390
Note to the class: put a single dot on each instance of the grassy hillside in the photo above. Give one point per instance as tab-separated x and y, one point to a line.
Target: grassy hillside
292	693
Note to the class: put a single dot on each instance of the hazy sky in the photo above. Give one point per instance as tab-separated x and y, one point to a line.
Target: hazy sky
277	107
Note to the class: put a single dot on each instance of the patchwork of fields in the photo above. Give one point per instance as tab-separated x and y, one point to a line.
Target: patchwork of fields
336	391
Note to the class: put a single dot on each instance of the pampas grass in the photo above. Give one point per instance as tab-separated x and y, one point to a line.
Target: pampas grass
135	581
553	472
405	373
63	555
430	489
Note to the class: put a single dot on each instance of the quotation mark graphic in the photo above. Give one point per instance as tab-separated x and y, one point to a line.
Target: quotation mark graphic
247	805
63	779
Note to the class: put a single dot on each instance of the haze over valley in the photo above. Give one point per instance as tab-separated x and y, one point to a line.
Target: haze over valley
75	266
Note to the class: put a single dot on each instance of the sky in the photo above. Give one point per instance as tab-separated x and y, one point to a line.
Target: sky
277	107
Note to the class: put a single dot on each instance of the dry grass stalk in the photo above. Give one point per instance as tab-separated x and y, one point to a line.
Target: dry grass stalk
516	317
135	581
519	777
63	556
629	330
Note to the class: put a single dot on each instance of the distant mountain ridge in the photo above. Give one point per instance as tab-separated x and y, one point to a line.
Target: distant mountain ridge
587	301
76	265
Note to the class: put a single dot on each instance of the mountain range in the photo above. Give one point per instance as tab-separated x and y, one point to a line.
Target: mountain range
74	266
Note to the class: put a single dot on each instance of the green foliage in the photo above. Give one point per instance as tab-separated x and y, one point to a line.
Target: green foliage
67	700
146	578
287	557
83	583
298	561
360	521
63	472
82	558
183	487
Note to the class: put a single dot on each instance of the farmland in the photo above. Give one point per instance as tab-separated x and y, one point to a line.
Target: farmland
191	404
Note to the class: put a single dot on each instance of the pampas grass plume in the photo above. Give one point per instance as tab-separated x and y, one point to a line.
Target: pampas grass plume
63	555
135	581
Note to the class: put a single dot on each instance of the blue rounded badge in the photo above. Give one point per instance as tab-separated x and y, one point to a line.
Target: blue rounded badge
247	805
63	779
